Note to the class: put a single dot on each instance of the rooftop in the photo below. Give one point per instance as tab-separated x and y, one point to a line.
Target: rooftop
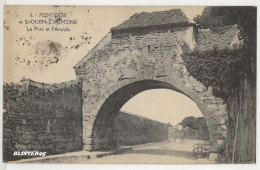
208	39
146	19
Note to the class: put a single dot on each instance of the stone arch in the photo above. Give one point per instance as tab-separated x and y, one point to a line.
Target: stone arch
117	62
112	105
100	116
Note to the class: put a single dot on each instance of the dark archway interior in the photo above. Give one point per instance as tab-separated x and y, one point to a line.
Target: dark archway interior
107	113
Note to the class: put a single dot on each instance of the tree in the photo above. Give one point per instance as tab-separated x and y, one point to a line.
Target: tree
198	124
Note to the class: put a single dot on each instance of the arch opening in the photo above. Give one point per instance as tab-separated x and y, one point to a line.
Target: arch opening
163	105
102	131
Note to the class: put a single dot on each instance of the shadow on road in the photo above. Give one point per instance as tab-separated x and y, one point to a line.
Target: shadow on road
183	154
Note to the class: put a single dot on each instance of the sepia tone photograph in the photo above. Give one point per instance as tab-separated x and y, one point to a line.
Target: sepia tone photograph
129	84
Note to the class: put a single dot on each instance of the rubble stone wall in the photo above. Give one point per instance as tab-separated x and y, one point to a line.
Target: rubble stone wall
42	117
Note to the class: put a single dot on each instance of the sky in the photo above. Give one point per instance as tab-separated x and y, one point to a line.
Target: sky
164	105
49	56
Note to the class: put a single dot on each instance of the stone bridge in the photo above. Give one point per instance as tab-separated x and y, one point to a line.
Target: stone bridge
137	56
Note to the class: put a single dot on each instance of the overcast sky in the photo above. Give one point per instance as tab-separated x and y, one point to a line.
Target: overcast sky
163	105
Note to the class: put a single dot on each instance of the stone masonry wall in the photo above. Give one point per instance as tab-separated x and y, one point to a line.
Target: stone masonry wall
41	117
129	129
149	56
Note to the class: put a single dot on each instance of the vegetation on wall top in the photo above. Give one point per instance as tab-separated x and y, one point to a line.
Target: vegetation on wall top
223	69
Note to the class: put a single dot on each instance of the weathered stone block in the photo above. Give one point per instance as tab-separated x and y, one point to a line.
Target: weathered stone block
212	108
222	127
222	133
219	113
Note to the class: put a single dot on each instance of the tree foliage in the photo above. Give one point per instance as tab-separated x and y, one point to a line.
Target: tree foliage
194	123
198	124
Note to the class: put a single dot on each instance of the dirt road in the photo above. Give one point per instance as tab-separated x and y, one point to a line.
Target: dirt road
167	152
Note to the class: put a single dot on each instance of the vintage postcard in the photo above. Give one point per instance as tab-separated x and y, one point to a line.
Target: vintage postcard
129	85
